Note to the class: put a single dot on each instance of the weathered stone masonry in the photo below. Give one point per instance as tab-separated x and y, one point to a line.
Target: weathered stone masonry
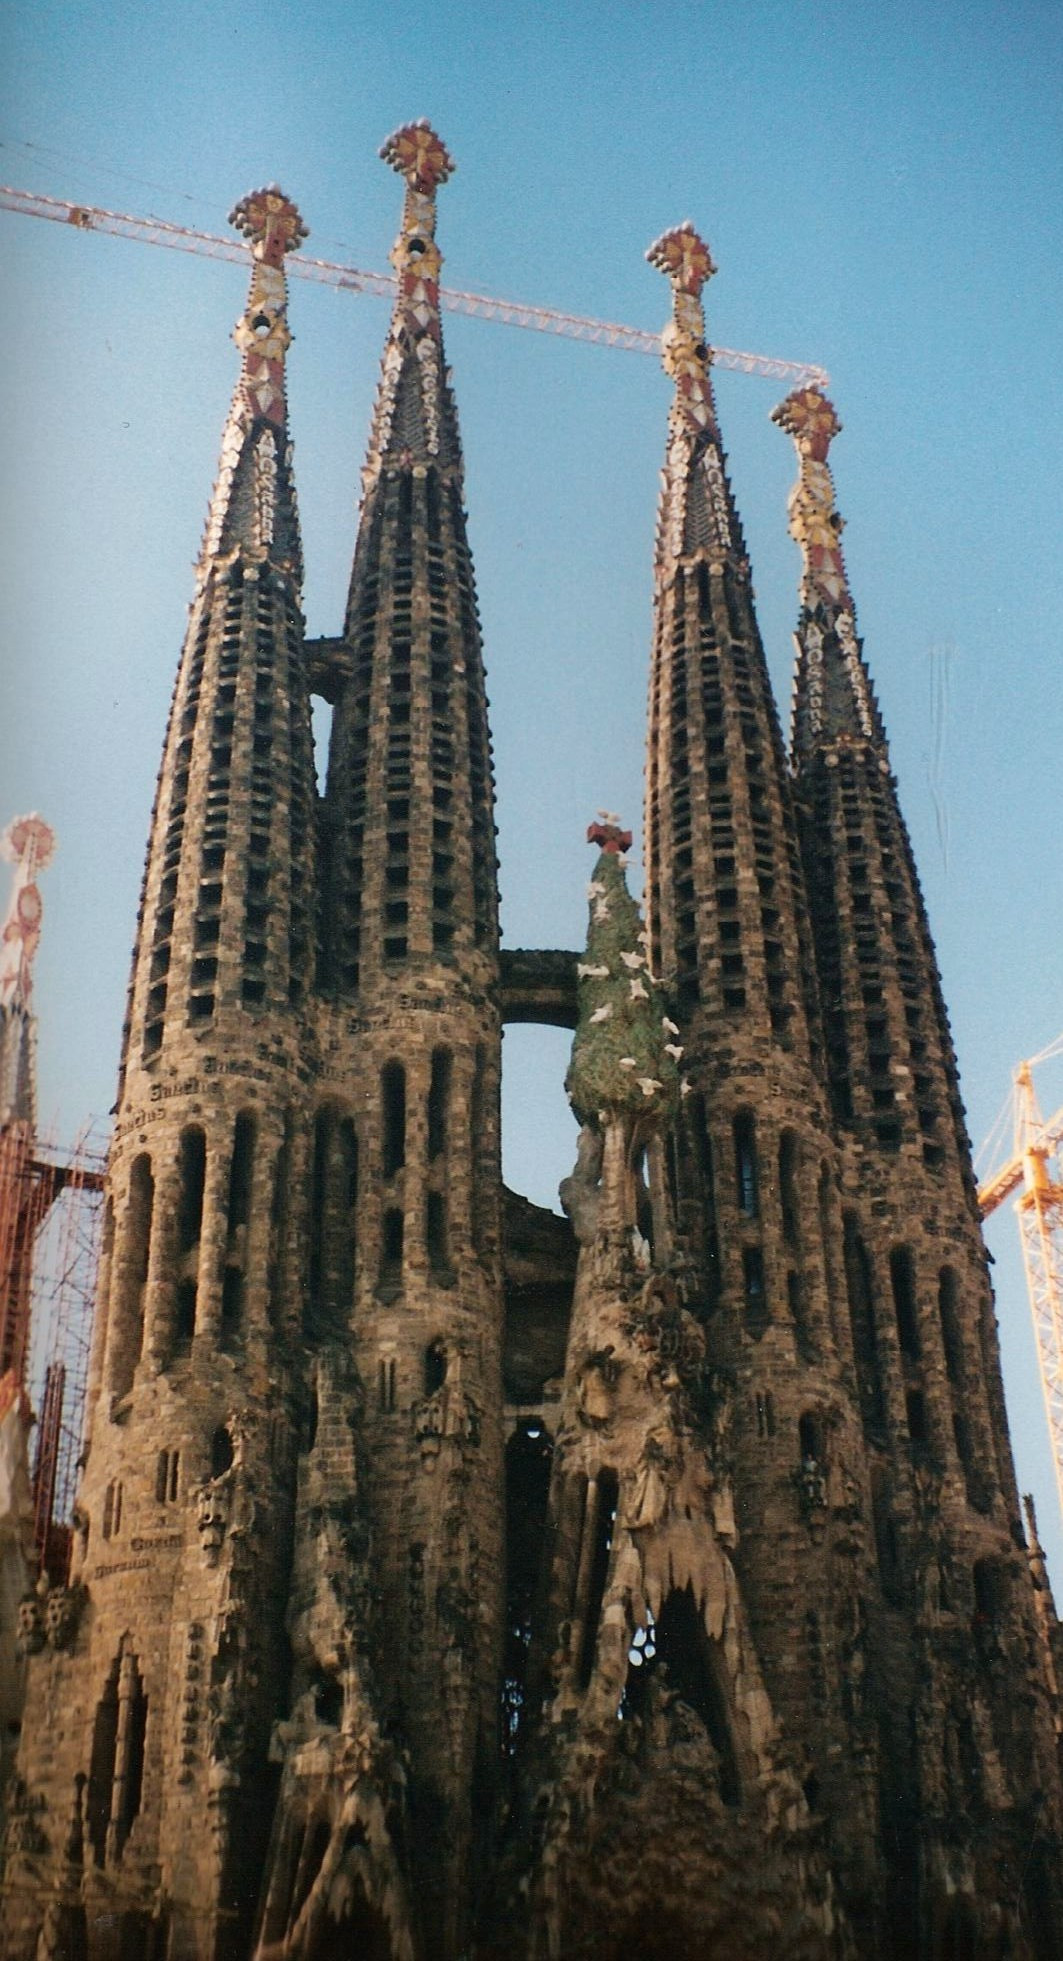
452	1579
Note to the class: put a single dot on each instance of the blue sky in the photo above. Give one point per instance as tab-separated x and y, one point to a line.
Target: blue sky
881	188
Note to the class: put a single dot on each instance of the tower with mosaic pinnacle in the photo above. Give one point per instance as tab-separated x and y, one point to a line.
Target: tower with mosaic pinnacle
926	1364
396	1667
753	1168
150	1700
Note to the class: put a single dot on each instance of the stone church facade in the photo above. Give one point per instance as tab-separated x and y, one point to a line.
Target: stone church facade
451	1579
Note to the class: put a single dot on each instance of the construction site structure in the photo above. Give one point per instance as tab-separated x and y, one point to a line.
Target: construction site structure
1034	1169
50	1214
451	1578
355	279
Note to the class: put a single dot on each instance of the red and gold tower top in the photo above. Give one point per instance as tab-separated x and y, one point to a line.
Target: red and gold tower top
683	256
259	515
815	523
417	154
697	515
414	424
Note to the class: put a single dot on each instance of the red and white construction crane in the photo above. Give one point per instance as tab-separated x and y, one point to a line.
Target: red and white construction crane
1035	1171
507	313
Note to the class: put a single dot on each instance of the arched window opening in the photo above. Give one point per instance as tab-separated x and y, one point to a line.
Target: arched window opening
386	1374
990	1591
704	1222
438	1100
788	1195
599	1520
755	1311
333	1212
796	1299
862	1320
116	1767
393	1118
128	1328
810	1439
192	1169
112	1509
232	1301
902	1280
529	1455
278	1222
240	1169
948	1312
435	1366
437	1235
185	1312
745	1144
676	1650
391	1245
167	1477
765	1413
322	1132
221	1452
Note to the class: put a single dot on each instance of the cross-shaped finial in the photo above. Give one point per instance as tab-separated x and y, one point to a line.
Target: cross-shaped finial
811	419
270	223
419	155
684	257
609	836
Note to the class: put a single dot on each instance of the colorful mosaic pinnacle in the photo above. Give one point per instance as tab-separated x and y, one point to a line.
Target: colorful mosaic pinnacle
272	226
270	223
683	256
422	158
812	421
419	155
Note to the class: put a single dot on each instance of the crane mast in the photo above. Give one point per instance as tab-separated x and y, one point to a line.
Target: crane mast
1034	1171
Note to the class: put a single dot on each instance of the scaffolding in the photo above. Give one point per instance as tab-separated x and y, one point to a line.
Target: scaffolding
65	1261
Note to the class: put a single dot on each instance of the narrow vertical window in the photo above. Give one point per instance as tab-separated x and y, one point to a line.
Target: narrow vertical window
438	1099
128	1329
788	1196
240	1170
192	1167
862	1318
437	1234
393	1117
745	1145
902	1280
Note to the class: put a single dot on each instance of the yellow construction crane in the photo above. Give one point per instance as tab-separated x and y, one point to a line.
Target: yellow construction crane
1035	1166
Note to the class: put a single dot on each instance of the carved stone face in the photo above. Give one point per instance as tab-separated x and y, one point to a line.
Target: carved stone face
61	1615
212	1519
31	1636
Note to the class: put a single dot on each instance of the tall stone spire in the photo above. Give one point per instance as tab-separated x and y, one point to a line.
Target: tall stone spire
924	1346
408	838
404	1305
227	915
727	916
254	500
194	1389
890	1059
833	694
